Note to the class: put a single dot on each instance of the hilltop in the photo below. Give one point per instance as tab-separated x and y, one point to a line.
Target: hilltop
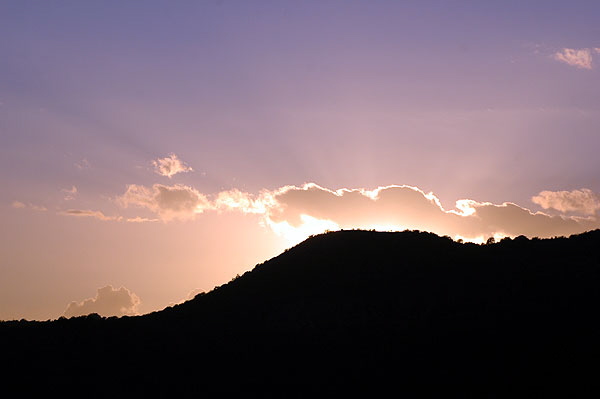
341	312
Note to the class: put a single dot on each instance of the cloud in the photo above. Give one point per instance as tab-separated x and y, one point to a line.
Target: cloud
295	212
579	58
597	49
168	202
108	302
18	205
244	202
406	207
69	193
21	205
89	213
582	201
170	166
138	219
83	164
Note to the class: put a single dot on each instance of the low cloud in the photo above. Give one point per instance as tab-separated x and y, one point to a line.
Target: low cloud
579	58
108	302
89	213
296	212
406	207
170	166
582	201
168	202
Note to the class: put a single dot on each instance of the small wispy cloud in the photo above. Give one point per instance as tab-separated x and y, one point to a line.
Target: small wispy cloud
139	219
579	58
22	205
82	164
18	205
69	193
107	302
91	214
170	166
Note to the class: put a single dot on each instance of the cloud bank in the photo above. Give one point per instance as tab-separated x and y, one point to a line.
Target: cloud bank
406	207
170	166
298	211
108	302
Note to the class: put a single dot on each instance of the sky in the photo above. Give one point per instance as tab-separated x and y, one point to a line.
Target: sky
153	150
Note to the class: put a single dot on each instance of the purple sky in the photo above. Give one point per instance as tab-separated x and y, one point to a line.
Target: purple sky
491	102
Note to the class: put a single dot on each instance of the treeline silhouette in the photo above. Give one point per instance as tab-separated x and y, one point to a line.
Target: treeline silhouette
341	313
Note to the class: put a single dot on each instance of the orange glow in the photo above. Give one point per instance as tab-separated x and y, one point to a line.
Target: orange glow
310	226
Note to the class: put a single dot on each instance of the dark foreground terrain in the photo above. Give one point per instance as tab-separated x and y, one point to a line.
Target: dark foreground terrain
342	313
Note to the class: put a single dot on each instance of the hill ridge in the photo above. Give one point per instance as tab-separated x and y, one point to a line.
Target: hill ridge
345	308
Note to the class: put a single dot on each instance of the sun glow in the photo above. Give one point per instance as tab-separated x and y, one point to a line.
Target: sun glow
309	226
480	239
384	227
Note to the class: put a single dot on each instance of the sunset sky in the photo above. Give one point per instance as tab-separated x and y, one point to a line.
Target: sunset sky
151	150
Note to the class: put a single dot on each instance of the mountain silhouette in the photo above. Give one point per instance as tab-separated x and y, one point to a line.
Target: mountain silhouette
344	313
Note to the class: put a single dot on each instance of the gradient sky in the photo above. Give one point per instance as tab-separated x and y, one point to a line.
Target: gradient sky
150	150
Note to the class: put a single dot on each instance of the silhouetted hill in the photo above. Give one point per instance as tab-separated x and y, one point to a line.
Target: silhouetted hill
346	312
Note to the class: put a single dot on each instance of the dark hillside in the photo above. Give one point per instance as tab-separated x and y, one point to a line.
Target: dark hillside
342	312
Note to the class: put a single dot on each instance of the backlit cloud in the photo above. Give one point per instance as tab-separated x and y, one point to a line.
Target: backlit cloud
582	201
107	302
168	202
580	58
296	212
89	213
244	202
406	207
170	166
